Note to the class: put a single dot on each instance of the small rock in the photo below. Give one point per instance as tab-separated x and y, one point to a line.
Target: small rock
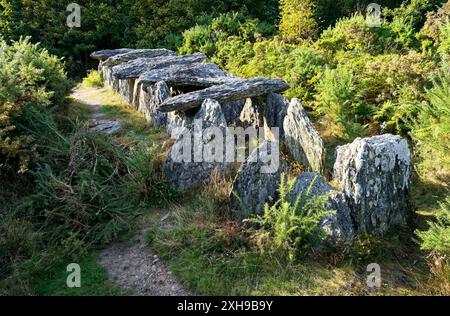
338	225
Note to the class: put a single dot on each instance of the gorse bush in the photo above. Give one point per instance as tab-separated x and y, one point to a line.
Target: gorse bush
292	223
431	130
437	237
93	79
30	80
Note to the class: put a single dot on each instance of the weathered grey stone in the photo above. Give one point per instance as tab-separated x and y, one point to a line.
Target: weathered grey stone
176	121
252	114
109	80
126	89
197	74
137	53
235	90
374	174
253	187
232	111
136	67
302	139
106	53
256	113
147	98
275	111
105	126
339	225
183	174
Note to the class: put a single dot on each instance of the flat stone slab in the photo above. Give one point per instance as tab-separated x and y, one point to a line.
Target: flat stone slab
198	74
106	53
235	90
106	126
137	53
136	67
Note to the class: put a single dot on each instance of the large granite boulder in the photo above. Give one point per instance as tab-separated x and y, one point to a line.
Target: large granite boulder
188	75
195	156
137	53
147	97
302	139
235	90
374	174
338	225
136	67
256	182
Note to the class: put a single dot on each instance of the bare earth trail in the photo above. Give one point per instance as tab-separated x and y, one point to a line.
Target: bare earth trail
131	265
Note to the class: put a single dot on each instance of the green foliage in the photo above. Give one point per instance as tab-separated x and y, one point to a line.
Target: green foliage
30	80
353	34
338	97
104	24
292	226
218	32
437	237
431	130
444	42
93	79
298	20
197	39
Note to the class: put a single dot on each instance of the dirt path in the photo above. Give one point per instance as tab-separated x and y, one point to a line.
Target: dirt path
99	122
136	268
132	266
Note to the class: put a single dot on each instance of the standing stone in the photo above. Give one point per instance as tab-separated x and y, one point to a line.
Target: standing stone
232	111
254	186
176	121
339	225
302	139
126	89
147	98
109	80
184	174
374	174
252	114
275	111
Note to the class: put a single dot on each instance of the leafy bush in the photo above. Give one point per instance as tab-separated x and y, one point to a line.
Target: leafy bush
431	130
30	80
339	98
93	79
292	226
353	34
217	32
197	39
437	237
298	20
